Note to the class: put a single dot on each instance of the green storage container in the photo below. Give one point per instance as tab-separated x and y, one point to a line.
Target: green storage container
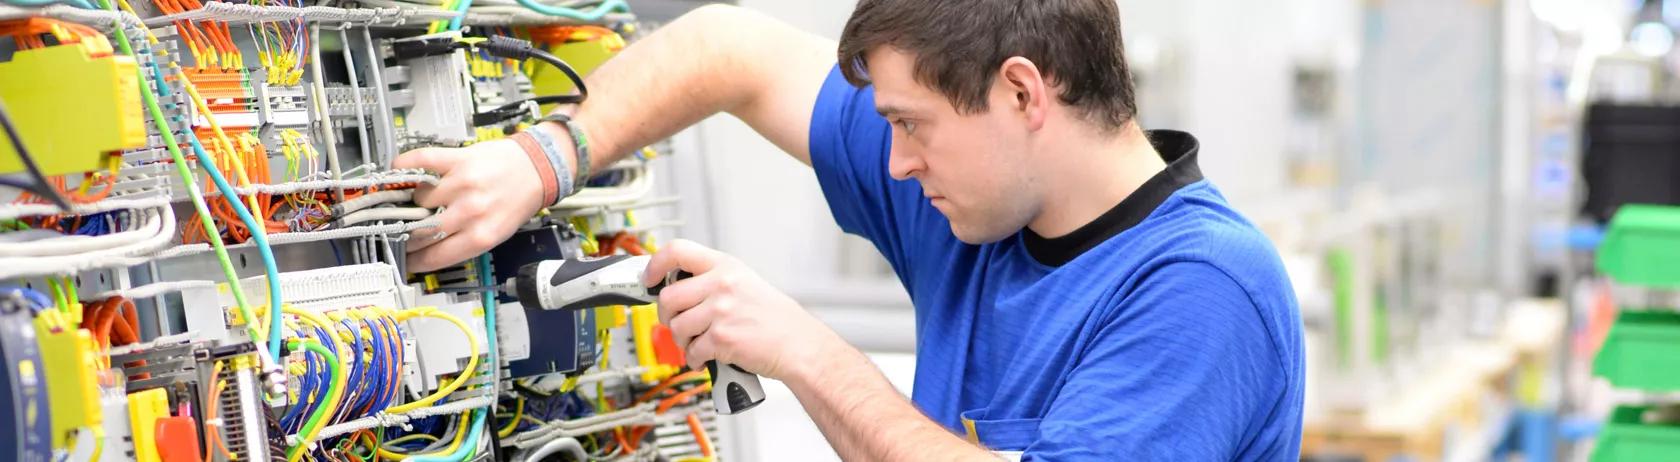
1642	246
1627	438
1642	352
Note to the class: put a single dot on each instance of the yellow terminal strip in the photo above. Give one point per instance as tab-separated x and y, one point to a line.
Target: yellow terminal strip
609	317
642	319
70	363
90	107
144	409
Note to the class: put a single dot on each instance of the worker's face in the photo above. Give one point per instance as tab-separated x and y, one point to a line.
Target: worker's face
971	166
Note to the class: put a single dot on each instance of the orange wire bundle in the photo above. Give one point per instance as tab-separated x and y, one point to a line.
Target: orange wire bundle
28	33
215	33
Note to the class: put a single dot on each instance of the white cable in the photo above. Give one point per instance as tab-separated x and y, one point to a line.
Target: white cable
155	289
12	268
13	211
499	14
31	235
635	189
322	185
567	444
383	214
637	420
603	376
74	244
244	13
640	414
101	18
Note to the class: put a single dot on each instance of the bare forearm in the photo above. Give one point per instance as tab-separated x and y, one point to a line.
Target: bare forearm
715	59
864	418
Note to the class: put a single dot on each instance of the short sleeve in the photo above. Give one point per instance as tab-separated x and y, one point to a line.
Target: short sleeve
1186	371
850	144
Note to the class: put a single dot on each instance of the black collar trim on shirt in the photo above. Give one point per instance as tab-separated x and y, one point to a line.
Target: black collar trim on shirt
1178	149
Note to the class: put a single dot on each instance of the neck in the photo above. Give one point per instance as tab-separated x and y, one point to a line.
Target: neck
1102	170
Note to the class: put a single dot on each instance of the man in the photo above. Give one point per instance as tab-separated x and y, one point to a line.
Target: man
1081	292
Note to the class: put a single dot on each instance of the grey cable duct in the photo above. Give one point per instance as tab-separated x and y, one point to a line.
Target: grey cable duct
372	199
313	236
155	289
568	444
11	268
383	214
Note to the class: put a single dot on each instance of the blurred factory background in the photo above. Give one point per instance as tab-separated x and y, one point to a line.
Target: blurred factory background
1438	174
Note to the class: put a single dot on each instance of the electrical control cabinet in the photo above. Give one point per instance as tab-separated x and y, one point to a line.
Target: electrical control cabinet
203	253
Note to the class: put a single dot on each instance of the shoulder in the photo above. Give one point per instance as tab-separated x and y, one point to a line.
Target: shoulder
1194	254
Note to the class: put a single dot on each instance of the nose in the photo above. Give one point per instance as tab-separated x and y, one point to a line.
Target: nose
903	163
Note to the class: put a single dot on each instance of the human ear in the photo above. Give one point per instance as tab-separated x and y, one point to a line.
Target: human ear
1028	93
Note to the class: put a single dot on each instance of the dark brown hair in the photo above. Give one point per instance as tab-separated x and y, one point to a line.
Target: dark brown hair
959	44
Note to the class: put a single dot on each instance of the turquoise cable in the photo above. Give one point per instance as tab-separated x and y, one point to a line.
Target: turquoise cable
468	446
594	15
169	142
455	22
258	234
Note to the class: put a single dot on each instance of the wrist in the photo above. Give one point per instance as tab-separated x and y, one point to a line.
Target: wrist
570	132
825	359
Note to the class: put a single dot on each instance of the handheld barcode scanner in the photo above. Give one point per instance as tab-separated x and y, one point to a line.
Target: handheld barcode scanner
617	280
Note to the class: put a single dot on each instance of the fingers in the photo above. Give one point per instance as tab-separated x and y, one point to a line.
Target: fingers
452	250
681	254
683	295
450	221
690	325
443	194
435	160
702	349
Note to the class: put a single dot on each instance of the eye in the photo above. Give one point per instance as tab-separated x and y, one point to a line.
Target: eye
909	127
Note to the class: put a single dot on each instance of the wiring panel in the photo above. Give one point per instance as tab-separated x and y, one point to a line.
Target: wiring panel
202	240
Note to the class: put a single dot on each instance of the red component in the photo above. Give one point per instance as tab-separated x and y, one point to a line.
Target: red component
177	440
665	347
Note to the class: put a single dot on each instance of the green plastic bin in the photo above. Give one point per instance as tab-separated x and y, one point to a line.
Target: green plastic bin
1642	352
1627	438
1642	246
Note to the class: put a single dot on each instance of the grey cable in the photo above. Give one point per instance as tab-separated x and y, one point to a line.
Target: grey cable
127	255
12	211
75	244
355	91
383	214
372	199
568	444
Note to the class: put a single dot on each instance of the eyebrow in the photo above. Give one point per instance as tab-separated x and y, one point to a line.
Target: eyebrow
889	110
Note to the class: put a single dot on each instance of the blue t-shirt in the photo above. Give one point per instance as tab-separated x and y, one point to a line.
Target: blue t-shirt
1166	330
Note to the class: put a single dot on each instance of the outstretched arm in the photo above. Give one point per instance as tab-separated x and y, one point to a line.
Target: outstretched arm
714	59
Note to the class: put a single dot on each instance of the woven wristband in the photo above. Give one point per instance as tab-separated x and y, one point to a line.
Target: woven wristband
562	176
539	161
578	140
